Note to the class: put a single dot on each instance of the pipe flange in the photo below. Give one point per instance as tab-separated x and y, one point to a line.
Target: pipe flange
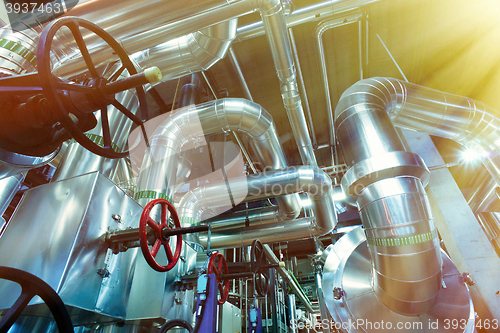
348	267
389	165
13	163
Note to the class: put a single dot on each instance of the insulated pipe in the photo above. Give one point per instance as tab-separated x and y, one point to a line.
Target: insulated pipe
462	119
459	118
183	130
206	201
279	42
386	182
483	197
275	26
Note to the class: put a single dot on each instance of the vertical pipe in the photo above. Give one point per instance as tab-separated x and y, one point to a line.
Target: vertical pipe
293	314
302	88
279	42
320	51
393	205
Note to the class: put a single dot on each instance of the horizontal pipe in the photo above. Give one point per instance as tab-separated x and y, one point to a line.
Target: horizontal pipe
205	200
315	12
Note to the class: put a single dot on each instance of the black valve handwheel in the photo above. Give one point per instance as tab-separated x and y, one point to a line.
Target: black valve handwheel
53	85
159	240
218	266
257	256
31	287
176	323
261	282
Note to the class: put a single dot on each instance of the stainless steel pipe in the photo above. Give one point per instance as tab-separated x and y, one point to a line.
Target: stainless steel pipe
387	183
184	128
204	202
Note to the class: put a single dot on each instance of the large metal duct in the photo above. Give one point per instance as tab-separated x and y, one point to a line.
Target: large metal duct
387	184
459	118
483	196
185	127
205	201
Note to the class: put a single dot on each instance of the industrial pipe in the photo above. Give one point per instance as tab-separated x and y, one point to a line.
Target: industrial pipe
387	183
202	201
183	130
286	276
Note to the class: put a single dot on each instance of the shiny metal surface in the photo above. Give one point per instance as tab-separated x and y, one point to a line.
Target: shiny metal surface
389	165
22	61
348	267
403	244
65	247
65	244
314	12
192	53
8	188
185	129
206	201
483	196
13	163
133	19
387	184
414	107
279	43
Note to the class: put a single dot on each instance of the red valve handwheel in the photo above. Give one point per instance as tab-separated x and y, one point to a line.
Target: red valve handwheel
218	266
150	254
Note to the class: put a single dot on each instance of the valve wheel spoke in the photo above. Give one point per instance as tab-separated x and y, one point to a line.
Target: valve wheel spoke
74	26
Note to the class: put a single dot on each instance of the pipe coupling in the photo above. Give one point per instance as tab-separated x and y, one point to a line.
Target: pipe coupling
388	165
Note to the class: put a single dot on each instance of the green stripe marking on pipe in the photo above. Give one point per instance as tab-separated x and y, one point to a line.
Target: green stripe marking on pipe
99	140
18	49
148	194
189	220
400	241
